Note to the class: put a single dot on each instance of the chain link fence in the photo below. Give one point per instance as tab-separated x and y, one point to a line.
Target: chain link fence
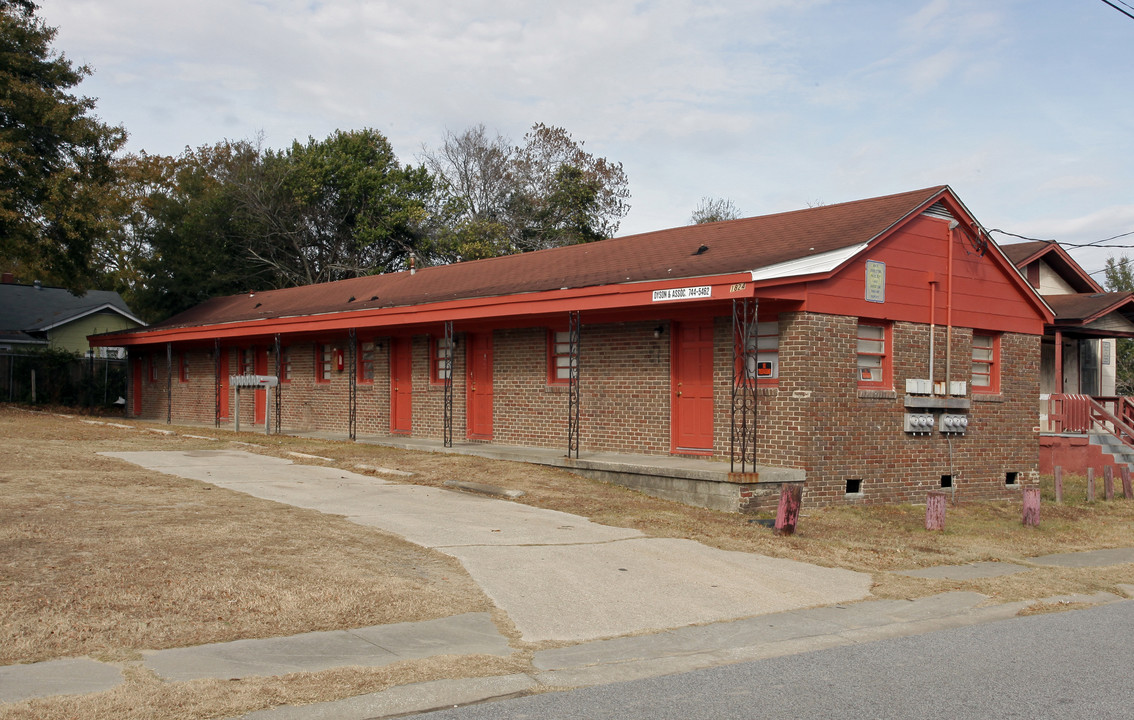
55	377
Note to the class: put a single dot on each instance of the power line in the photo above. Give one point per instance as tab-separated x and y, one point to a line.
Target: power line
1124	12
1093	243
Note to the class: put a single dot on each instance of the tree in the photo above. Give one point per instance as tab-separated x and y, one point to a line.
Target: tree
472	175
495	199
563	195
713	210
1119	277
195	228
332	209
55	156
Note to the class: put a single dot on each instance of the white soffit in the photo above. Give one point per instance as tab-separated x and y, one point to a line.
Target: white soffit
822	262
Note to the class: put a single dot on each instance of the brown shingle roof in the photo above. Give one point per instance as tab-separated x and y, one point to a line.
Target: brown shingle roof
1083	308
731	247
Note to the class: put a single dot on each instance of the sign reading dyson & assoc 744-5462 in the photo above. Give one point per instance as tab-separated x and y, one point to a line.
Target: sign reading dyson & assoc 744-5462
686	293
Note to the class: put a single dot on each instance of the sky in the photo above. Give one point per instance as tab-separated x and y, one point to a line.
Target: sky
1026	109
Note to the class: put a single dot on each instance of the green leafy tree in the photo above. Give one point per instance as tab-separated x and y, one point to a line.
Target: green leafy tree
563	195
332	209
1119	276
195	227
55	157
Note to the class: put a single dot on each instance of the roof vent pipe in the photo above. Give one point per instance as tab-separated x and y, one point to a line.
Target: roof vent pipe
412	264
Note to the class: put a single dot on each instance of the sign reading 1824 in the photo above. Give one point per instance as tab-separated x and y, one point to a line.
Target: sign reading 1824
687	293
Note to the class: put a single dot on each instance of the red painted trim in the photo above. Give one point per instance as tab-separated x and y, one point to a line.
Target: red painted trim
552	369
887	381
554	302
994	365
359	362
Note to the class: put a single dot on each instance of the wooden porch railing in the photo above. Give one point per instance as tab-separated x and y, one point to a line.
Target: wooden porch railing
1082	414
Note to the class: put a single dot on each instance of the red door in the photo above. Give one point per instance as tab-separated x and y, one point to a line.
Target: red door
136	386
479	384
260	367
691	388
401	386
222	413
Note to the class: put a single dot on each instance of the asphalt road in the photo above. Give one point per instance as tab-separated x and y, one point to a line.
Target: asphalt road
1067	665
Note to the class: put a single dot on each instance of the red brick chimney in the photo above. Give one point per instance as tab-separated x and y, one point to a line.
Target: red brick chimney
8	278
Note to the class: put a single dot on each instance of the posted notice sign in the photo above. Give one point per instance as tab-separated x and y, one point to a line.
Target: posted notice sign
686	293
875	281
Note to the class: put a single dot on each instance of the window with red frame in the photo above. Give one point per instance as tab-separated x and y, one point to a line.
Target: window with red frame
248	361
559	361
440	360
285	364
873	357
324	362
986	363
365	361
765	365
183	368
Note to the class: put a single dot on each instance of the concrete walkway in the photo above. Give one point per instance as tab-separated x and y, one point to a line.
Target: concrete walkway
558	576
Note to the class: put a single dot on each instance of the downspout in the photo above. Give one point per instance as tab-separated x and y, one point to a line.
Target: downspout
949	354
932	329
949	310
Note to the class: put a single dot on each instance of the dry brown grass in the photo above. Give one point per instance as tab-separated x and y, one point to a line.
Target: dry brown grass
101	558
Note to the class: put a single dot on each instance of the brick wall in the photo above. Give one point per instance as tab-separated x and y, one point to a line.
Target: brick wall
816	418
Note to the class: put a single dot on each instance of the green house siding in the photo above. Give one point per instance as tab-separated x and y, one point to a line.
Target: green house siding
72	336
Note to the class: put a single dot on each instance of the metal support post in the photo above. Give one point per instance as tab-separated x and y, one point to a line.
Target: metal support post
216	381
742	442
352	378
279	387
447	367
574	336
168	383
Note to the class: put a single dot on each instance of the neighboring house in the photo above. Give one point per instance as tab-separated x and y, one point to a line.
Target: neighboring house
34	316
875	350
1084	423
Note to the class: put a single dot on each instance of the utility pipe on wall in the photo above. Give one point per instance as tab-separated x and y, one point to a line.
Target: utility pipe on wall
949	309
932	328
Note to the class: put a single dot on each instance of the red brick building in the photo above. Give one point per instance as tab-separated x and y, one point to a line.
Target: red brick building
879	348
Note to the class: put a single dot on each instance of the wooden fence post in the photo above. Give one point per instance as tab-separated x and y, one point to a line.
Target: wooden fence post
1127	491
1108	482
791	496
1090	484
1032	506
1059	483
935	510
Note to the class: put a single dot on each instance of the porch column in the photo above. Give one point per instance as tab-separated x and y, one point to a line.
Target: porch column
1059	361
352	386
216	381
279	383
168	383
574	335
742	437
447	370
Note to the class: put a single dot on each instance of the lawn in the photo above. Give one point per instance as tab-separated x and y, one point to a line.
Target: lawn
105	559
